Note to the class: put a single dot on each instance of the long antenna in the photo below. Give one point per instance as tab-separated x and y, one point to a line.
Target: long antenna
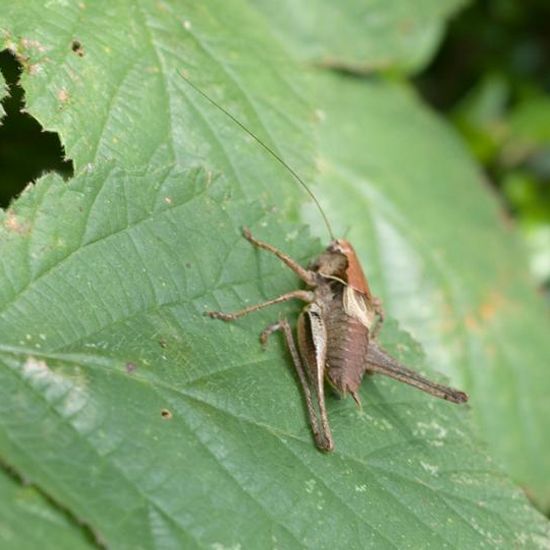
267	148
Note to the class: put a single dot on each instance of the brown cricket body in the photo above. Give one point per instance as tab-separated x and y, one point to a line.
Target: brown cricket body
347	346
338	325
336	333
343	285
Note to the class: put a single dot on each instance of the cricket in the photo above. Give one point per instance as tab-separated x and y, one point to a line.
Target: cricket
336	333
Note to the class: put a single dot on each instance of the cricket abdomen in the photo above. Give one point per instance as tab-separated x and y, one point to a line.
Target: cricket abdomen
347	344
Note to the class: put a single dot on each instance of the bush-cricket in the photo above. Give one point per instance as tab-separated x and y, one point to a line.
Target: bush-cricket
337	328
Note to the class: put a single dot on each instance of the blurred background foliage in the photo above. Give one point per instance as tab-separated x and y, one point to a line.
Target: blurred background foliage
491	79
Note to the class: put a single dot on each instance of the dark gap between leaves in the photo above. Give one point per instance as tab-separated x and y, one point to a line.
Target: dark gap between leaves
27	151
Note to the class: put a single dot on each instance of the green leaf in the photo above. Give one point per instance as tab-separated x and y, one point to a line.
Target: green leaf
159	427
127	93
361	36
444	261
28	520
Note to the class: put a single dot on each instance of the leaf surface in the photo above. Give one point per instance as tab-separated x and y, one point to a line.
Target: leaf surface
443	259
159	427
360	36
28	520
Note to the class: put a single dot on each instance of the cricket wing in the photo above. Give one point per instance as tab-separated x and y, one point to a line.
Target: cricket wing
359	306
354	275
380	361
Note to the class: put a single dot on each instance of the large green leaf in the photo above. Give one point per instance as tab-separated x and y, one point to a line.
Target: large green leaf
442	257
125	90
148	421
162	428
360	35
28	520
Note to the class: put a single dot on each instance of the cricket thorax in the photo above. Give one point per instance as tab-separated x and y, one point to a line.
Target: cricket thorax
339	261
330	264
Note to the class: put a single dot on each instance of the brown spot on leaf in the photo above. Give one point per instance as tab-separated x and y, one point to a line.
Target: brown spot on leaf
406	26
490	307
12	223
130	367
166	414
34	68
29	44
77	48
471	322
163	343
63	95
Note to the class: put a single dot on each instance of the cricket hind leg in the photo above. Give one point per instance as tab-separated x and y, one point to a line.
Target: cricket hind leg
379	361
322	436
305	295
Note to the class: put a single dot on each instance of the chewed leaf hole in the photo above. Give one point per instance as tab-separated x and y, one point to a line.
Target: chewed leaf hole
166	414
27	150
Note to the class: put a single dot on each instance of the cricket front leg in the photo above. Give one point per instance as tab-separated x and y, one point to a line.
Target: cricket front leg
380	361
321	431
308	276
305	295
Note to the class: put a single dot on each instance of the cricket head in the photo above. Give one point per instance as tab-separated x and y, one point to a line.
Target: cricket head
332	262
340	260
